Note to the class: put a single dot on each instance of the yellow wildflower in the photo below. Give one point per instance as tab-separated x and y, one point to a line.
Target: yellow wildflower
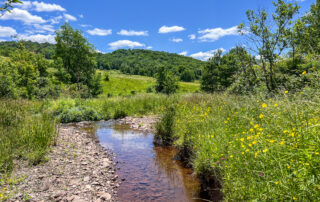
254	142
307	164
294	198
275	105
286	92
272	141
264	105
261	116
277	182
256	126
265	150
303	73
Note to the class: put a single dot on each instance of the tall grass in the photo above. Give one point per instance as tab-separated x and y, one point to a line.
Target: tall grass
256	148
25	133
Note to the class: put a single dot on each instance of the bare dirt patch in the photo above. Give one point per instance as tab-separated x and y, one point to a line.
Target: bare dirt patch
78	169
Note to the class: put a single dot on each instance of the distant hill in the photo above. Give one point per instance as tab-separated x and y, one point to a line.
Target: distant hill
132	61
46	49
145	62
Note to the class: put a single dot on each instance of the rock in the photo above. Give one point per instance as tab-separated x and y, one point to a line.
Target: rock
105	196
86	178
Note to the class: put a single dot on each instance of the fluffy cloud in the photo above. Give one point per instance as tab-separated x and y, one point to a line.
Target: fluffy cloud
40	6
69	17
56	20
7	31
125	44
43	28
184	53
133	33
177	40
37	38
212	35
149	47
22	15
205	55
100	32
192	36
164	29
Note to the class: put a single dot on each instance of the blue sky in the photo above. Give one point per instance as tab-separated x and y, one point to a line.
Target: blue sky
190	27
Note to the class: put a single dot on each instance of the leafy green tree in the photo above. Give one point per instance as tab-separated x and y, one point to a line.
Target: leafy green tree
269	41
210	77
7	5
187	75
310	43
166	81
77	54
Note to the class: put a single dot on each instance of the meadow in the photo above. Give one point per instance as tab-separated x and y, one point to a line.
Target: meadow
122	84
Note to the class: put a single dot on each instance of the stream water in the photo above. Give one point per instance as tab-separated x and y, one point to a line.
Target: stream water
147	172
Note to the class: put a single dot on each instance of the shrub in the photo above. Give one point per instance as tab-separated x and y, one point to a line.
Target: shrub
165	127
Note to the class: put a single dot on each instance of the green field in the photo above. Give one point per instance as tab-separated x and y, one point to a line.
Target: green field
122	84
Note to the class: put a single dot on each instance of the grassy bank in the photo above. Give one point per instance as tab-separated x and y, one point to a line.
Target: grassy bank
25	133
258	149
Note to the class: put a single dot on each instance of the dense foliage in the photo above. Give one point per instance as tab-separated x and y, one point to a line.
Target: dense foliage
144	62
46	49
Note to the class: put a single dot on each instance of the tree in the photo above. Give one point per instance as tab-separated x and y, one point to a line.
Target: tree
311	40
77	54
166	81
7	6
270	41
210	77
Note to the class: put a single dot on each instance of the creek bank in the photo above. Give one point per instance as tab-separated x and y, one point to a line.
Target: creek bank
210	184
78	169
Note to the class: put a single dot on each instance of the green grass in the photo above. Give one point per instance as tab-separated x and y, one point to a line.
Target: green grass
122	84
258	149
25	133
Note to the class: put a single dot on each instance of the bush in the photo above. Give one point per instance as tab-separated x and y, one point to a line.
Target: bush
77	114
165	127
119	114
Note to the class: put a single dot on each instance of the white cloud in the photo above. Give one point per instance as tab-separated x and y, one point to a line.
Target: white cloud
22	15
84	25
100	32
192	36
37	38
44	7
81	16
205	55
69	17
149	47
164	29
212	35
177	40
1	40
56	20
40	6
184	53
125	44
43	28
7	31
133	33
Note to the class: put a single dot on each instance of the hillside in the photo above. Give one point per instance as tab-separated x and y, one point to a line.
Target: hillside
133	61
145	62
46	49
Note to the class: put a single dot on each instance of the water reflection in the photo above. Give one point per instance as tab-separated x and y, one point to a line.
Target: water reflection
150	173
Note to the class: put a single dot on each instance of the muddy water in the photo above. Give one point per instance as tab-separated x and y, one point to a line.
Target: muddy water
147	172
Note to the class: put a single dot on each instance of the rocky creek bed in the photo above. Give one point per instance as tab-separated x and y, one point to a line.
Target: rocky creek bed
78	169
